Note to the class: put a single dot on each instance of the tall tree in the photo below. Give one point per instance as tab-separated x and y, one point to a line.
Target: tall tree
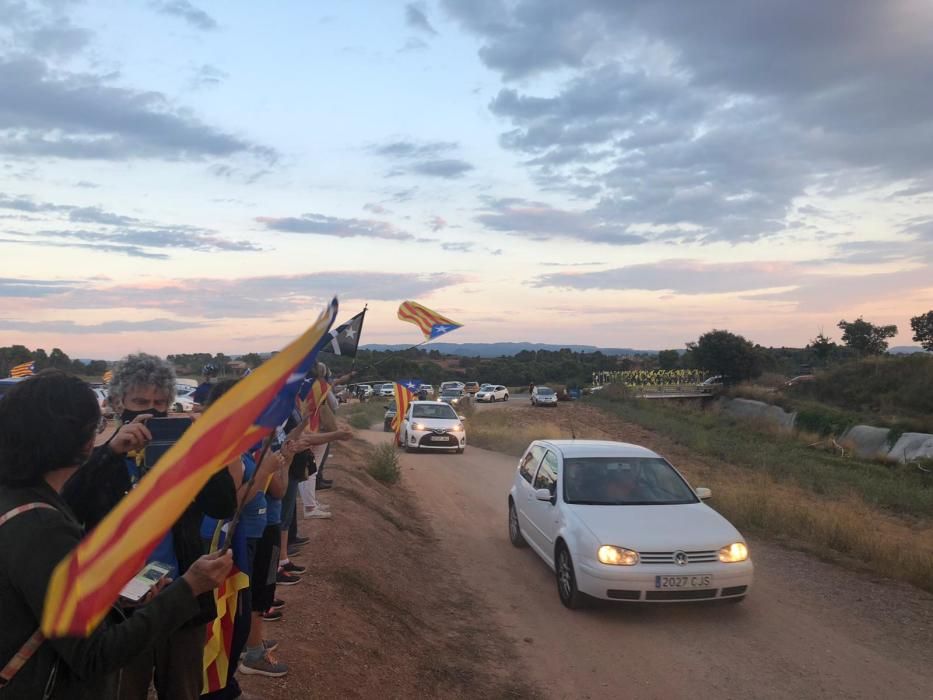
59	360
822	347
725	353
922	327
668	359
866	338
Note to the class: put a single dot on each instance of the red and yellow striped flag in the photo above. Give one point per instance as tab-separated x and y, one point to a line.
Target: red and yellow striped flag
108	376
27	369
89	580
403	398
315	399
217	647
431	323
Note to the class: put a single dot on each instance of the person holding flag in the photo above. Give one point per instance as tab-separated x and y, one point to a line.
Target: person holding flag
48	424
143	386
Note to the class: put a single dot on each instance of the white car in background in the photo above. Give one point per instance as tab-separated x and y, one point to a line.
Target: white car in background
619	522
184	403
543	396
387	390
432	425
492	393
446	386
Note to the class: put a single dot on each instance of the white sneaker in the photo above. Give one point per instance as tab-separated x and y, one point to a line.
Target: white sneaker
318	513
322	506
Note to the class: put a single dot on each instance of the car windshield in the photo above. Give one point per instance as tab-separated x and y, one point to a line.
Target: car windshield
433	410
633	481
451	393
544	391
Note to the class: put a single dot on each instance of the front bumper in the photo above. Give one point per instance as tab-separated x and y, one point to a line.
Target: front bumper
425	440
638	583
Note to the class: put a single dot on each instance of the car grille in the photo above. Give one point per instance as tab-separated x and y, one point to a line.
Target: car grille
702	557
681	595
430	440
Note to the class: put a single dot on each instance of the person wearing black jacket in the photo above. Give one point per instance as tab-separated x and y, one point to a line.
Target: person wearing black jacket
47	428
143	386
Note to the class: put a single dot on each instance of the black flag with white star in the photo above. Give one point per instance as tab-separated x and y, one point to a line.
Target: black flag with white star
345	338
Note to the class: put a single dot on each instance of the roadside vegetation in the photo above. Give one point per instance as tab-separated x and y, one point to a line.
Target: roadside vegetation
382	463
363	415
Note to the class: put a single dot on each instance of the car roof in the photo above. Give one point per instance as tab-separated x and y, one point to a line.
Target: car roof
598	448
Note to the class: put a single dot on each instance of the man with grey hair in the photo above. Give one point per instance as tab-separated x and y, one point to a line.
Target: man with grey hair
143	387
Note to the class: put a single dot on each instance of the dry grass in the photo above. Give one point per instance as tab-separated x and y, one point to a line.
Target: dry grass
849	530
505	431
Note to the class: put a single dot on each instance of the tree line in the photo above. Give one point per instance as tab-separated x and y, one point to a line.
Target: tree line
715	352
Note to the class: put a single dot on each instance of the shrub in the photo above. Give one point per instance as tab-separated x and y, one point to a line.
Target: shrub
360	420
383	464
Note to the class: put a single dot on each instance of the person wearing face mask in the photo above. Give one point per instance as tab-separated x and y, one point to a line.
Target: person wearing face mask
48	425
143	387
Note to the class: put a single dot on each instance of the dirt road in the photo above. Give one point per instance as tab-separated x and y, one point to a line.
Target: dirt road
808	630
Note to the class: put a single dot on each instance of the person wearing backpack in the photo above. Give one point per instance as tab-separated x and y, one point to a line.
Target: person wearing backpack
48	424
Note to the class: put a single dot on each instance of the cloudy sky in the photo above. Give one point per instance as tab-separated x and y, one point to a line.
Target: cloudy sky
202	175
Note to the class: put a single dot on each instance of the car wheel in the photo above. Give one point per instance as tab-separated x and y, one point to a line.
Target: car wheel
570	596
515	531
460	450
506	398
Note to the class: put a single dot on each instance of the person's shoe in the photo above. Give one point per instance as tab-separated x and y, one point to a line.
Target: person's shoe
299	541
283	578
270	644
324	485
277	604
322	506
318	513
292	550
265	665
272	615
293	568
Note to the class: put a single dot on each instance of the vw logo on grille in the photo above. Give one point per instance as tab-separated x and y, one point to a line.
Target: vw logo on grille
680	558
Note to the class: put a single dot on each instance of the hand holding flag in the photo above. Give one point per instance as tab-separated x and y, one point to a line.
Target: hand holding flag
88	581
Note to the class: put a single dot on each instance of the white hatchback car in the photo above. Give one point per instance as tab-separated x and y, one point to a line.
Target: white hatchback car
432	425
492	393
618	522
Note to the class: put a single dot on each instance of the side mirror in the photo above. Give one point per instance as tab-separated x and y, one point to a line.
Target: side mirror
462	418
704	493
545	495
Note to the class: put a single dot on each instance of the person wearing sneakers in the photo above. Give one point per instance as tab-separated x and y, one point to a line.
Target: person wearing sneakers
258	658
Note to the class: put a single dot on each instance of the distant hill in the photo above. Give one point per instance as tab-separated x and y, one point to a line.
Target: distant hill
905	350
506	349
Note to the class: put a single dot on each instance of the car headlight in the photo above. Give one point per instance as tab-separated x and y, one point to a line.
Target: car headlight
419	426
733	553
455	401
458	428
616	556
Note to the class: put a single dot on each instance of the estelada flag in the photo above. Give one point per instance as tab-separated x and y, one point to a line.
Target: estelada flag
219	640
431	323
27	369
315	399
403	398
86	582
108	376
